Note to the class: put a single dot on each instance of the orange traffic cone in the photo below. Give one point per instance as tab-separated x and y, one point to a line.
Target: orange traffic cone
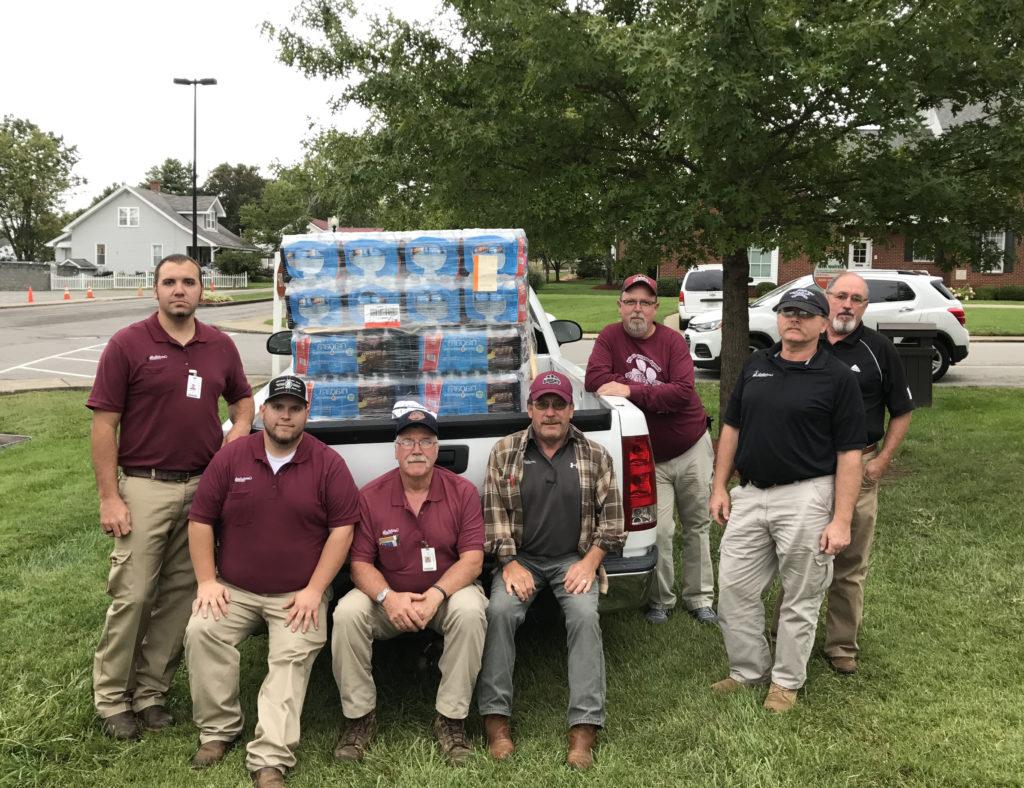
31	295
88	293
213	285
67	294
139	294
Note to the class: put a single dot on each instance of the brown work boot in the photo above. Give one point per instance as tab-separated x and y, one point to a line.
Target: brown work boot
358	734
268	777
122	726
451	736
726	685
499	736
780	699
212	752
581	746
155	718
845	665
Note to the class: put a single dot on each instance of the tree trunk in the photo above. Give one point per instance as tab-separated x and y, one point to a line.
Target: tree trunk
735	322
547	267
609	267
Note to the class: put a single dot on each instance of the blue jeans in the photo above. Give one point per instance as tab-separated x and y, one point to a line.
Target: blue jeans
583	638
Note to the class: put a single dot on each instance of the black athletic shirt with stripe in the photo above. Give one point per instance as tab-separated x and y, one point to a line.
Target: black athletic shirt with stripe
880	375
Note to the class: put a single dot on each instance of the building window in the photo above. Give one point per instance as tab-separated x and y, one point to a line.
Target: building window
101	254
158	253
992	243
211	221
127	217
763	265
859	254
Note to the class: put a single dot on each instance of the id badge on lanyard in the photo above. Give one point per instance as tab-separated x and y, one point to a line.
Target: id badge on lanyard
194	385
428	557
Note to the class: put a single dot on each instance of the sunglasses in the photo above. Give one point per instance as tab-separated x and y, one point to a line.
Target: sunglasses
554	403
802	314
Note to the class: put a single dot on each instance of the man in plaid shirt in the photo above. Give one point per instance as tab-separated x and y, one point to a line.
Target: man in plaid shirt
552	511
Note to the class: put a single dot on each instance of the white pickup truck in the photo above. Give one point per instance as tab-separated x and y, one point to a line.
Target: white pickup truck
368	448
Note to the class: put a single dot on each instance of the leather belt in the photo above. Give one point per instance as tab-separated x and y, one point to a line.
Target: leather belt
761	485
157	474
871	448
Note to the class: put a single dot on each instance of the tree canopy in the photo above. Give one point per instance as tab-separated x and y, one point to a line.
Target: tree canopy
689	129
234	185
174	175
35	172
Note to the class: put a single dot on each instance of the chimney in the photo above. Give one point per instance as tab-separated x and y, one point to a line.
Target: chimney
154	186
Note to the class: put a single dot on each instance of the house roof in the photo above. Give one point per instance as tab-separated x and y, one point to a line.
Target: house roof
182	203
948	118
78	262
321	224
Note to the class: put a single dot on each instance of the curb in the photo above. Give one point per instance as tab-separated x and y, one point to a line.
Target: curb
127	298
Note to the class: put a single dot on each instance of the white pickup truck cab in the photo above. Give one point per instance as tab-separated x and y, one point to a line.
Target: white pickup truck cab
367	446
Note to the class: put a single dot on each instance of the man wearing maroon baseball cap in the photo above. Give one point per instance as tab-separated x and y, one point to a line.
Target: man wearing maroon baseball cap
552	511
649	364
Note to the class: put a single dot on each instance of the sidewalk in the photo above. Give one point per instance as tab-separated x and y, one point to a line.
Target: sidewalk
18	299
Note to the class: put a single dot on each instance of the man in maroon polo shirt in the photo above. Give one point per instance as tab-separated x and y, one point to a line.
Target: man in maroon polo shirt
417	554
158	382
650	365
284	506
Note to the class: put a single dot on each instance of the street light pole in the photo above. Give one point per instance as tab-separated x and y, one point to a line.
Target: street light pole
195	106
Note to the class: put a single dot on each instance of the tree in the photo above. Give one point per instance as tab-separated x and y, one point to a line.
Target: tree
35	171
690	129
234	186
283	207
174	175
234	262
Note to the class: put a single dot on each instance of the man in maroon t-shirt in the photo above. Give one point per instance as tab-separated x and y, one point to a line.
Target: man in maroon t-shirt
418	551
281	506
158	383
650	365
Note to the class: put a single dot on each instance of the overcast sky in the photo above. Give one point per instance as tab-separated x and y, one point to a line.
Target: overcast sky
100	74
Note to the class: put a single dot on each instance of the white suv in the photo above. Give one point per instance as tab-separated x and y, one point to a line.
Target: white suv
893	297
699	292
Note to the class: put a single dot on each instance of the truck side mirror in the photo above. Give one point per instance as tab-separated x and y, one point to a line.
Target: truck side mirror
566	331
280	343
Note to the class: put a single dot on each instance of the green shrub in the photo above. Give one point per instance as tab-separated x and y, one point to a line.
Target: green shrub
589	267
763	287
1008	293
234	263
535	278
668	287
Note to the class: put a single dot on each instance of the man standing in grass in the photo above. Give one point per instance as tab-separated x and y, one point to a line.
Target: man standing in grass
650	365
552	511
794	429
284	505
154	404
883	386
418	552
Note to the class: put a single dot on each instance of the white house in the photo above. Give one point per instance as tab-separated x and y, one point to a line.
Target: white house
131	229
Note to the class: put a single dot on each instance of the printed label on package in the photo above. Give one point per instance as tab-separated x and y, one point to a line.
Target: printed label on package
381	315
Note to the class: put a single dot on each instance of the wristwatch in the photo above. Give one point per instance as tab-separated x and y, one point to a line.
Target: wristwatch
379	599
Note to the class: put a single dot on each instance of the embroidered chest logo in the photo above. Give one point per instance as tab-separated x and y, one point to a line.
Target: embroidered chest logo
855	368
240	479
157	358
644	370
759	374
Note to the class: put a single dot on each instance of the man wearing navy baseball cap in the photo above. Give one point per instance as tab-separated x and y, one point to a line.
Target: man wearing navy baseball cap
552	511
794	429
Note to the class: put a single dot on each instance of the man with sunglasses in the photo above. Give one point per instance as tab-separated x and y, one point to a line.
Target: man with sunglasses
883	386
794	429
650	365
552	511
417	554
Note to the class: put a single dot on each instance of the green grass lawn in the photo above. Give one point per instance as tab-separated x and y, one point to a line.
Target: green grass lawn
939	699
995	321
592	309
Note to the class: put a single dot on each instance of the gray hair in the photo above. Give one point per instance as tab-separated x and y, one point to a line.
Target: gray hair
837	277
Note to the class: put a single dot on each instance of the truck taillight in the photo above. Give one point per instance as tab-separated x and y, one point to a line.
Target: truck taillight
639	488
682	297
959	314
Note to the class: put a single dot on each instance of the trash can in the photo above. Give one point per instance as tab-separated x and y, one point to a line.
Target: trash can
914	346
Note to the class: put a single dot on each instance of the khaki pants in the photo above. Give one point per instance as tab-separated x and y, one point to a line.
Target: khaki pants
358	621
685	483
846	594
774	531
151	586
212	657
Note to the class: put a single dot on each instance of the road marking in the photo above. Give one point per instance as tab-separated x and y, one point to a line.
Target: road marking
56	372
83	360
55	355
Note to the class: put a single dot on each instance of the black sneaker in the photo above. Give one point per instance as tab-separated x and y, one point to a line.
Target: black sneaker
704	615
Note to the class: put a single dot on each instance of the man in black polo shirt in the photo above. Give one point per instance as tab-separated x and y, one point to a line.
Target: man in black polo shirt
794	429
883	385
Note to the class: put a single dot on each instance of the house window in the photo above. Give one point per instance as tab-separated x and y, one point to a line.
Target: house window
995	242
127	217
158	253
211	221
859	254
763	265
101	254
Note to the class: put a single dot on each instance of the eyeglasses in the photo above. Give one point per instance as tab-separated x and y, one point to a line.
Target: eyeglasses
631	303
423	443
792	311
857	299
550	403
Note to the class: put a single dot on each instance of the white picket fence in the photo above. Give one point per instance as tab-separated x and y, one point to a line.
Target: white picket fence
118	281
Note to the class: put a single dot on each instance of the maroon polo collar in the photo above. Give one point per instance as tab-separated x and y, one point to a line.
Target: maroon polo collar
259	449
435	493
156	331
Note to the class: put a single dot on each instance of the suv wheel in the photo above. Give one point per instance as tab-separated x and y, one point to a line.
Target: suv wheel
940	360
